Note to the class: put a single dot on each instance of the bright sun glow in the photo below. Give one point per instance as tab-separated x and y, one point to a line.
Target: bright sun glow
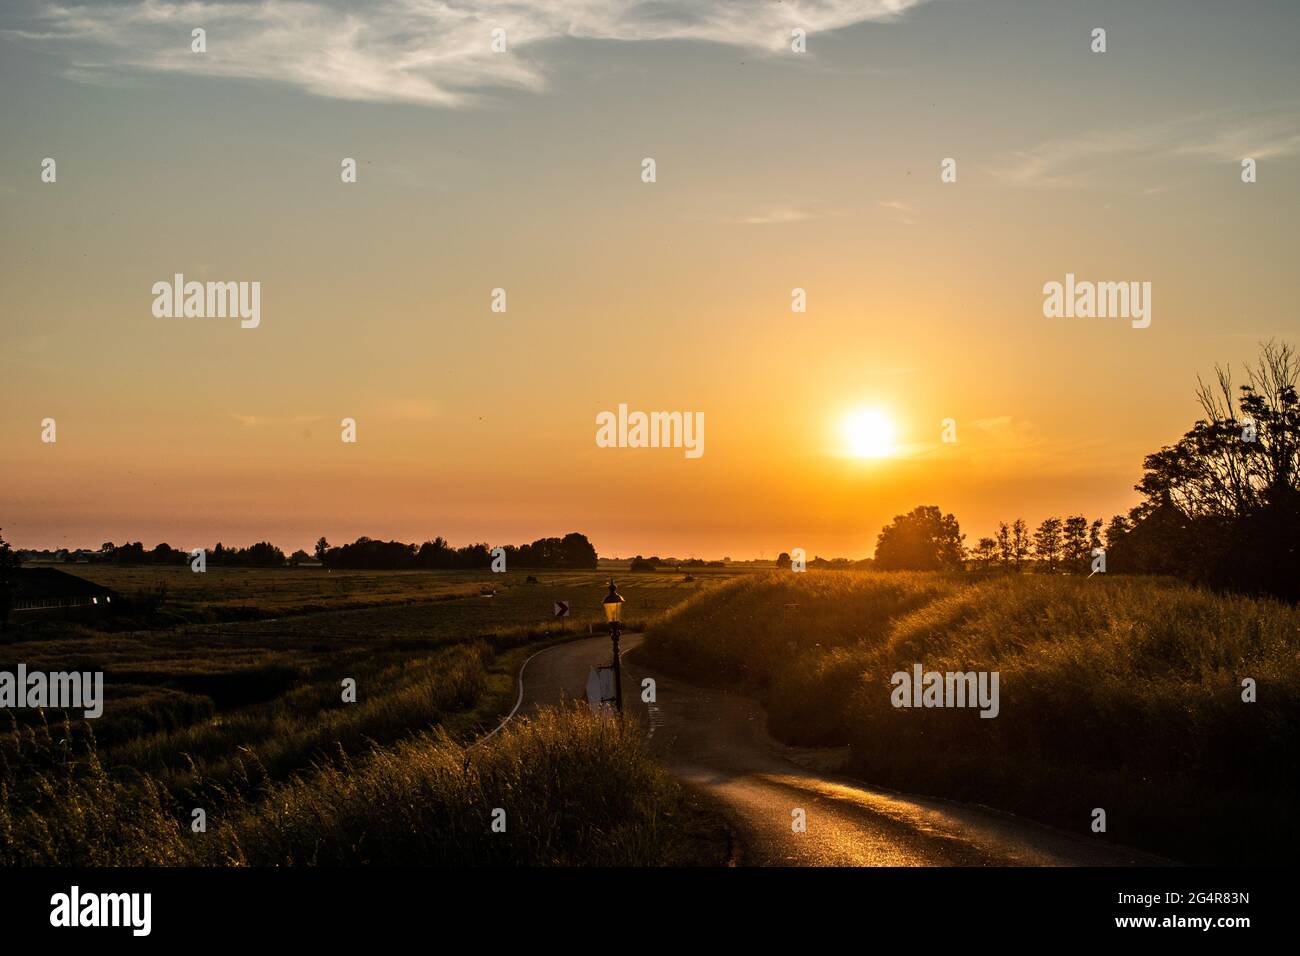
870	434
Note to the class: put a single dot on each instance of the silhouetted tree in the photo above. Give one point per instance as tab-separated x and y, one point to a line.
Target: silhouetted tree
577	551
436	553
1222	505
8	560
986	552
1074	544
1047	543
1236	460
922	540
1019	542
1118	527
132	553
1004	544
164	553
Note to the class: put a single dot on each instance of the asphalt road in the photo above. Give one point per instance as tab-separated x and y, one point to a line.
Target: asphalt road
717	742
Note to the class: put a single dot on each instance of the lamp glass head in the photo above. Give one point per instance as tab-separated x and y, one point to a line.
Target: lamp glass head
613	604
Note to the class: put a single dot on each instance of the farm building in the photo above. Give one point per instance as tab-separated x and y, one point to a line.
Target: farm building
31	592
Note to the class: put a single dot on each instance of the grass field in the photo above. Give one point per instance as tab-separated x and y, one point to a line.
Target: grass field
1121	693
168	681
238	594
225	714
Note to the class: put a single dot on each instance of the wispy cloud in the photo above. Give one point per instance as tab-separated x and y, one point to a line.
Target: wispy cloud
1071	160
791	210
1268	138
1076	161
430	52
772	217
902	211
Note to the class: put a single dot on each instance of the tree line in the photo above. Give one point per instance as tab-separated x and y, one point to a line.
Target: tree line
260	555
571	551
1058	544
1221	507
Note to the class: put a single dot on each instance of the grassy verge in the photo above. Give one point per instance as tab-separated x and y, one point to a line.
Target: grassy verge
575	788
1121	693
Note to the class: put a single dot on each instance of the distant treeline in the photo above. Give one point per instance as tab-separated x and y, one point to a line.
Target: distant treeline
818	563
571	551
260	555
655	563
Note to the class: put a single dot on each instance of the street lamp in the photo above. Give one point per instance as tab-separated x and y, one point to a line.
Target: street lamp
613	605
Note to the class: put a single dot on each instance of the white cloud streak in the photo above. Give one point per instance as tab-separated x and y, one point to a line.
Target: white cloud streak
428	52
1076	161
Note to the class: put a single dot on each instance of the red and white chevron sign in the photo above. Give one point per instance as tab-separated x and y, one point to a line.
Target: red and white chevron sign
561	608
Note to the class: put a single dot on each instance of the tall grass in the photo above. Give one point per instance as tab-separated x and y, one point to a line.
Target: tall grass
60	807
576	788
393	700
1119	693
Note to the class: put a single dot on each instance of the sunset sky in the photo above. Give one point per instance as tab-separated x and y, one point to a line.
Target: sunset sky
522	170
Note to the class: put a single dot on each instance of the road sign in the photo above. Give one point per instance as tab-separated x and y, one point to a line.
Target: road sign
600	686
561	608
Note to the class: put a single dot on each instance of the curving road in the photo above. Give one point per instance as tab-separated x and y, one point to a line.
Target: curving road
717	741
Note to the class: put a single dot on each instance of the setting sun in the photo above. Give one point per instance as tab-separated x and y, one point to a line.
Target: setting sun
870	434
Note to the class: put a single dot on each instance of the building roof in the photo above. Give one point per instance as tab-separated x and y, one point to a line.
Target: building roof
30	584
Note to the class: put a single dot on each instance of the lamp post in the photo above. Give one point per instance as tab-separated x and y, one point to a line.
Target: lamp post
613	605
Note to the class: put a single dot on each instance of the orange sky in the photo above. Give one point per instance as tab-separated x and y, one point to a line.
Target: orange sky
924	298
